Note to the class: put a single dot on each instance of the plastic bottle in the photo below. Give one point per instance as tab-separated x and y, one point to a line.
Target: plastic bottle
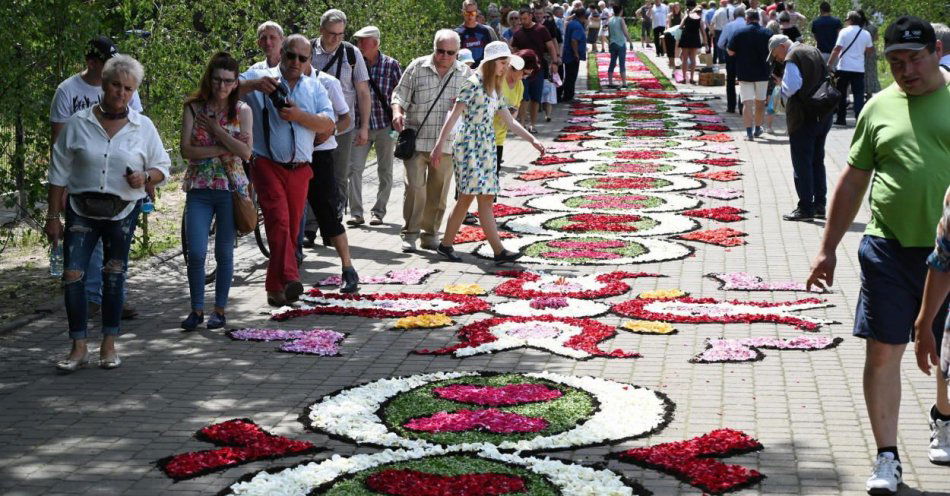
56	259
147	205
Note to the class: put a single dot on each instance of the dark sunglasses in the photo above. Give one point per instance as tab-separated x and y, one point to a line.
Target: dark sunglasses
292	56
446	52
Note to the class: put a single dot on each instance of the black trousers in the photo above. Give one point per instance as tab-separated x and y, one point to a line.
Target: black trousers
657	37
570	79
322	195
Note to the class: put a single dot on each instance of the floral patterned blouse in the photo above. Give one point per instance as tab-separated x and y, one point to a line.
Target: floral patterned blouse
224	172
940	260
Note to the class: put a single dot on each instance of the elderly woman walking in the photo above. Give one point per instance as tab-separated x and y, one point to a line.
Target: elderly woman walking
479	100
105	156
216	139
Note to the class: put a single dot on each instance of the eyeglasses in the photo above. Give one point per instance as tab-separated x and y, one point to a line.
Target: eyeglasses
450	53
217	80
471	13
290	56
331	34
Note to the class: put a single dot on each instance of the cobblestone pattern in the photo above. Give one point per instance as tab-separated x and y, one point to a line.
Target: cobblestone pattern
99	432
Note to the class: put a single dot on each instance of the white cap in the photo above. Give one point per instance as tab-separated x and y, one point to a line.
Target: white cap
465	56
516	62
367	32
496	50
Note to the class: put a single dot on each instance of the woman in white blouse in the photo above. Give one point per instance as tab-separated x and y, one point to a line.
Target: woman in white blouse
105	156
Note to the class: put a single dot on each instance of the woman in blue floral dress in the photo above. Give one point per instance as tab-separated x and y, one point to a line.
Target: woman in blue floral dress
474	153
215	138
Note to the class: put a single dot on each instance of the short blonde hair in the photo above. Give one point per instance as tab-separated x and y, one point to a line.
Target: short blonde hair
446	35
123	65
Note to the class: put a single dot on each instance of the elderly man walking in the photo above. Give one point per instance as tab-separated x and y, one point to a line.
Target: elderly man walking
901	148
727	33
342	60
290	110
421	101
750	47
805	69
384	74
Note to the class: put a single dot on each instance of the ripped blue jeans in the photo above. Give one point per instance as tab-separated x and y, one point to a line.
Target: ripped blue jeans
80	239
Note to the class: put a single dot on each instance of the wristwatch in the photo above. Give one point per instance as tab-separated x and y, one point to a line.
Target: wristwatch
148	177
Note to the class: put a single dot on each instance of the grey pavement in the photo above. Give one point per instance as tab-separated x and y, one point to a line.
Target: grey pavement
100	432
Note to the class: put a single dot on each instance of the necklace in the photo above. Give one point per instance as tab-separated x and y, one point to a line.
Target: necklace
113	116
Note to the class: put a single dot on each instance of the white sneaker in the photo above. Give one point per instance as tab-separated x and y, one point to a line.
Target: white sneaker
408	246
939	441
886	475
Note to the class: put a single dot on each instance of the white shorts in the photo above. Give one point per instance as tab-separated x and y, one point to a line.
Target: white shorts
753	90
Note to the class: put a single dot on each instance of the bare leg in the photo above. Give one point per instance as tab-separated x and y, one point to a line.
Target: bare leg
943	403
759	112
882	389
455	219
486	218
748	114
534	112
342	246
107	348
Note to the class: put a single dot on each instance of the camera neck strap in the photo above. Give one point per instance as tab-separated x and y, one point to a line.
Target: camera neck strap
266	125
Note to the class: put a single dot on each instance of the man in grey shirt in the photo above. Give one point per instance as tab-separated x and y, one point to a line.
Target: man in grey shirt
343	61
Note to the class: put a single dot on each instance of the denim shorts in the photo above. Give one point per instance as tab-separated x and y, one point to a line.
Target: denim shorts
892	286
534	87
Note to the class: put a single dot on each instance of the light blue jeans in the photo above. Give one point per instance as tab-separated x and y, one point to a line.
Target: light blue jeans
618	53
201	205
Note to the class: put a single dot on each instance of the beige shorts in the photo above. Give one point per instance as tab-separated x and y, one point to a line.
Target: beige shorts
753	90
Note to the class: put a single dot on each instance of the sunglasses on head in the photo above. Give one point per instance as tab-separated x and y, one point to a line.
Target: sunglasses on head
446	52
292	56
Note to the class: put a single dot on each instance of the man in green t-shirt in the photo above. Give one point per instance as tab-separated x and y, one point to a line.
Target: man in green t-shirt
901	147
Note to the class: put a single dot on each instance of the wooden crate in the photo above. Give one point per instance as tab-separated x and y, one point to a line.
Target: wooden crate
706	59
712	79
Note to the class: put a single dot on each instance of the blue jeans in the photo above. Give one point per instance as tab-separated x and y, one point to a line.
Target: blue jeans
856	81
93	277
79	241
808	160
617	52
201	205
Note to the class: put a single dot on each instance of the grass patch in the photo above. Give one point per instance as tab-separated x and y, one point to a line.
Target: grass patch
558	224
657	73
593	74
541	248
612	168
535	484
646	202
562	414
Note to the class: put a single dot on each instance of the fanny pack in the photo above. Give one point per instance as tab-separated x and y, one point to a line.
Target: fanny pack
99	205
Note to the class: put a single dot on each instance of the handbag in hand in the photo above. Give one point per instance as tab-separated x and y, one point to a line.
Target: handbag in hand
406	142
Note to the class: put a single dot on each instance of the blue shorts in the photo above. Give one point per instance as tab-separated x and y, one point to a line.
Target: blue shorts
892	286
534	87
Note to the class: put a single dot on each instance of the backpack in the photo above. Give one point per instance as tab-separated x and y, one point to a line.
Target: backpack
337	58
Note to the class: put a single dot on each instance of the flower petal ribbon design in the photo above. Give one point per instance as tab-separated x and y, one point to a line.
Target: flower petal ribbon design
693	462
537	175
415	483
747	349
690	310
743	281
471	234
570	337
382	305
724	236
322	342
527	285
490	420
398	276
720	175
241	440
722	214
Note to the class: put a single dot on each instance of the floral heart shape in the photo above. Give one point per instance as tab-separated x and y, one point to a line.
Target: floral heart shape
507	395
722	214
720	175
415	483
724	236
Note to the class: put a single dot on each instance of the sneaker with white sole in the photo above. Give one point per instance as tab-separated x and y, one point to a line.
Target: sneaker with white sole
886	475
939	441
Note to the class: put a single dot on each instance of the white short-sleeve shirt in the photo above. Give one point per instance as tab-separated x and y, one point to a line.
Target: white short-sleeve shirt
853	59
75	94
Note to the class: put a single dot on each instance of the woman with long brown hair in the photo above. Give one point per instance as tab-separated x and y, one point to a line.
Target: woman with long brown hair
474	149
216	139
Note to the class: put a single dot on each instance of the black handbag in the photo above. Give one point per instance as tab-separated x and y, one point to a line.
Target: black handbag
406	142
99	205
824	99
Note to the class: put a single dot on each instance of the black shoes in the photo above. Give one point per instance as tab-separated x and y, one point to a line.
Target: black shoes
448	252
507	256
351	280
820	212
798	215
292	291
470	219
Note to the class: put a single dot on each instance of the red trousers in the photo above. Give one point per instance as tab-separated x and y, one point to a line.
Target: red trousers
282	194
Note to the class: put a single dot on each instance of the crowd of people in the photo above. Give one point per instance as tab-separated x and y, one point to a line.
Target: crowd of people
295	130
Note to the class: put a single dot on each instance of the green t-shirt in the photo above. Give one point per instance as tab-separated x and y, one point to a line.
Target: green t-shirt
906	142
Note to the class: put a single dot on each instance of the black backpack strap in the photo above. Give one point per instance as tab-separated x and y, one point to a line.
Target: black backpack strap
382	100
336	59
436	101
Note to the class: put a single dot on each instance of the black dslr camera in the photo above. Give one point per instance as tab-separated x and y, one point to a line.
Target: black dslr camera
280	96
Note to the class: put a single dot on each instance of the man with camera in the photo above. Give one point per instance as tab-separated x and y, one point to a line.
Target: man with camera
290	110
421	101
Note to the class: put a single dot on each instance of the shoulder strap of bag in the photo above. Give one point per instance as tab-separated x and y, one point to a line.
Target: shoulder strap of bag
852	43
336	59
379	96
436	101
266	129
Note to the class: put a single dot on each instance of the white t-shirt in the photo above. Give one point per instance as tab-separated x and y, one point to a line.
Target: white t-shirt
853	59
75	94
658	15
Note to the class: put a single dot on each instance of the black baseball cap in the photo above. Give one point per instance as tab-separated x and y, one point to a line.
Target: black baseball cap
909	33
102	48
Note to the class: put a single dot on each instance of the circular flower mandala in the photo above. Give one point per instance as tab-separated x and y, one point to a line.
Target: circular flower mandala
614	202
610	225
591	250
584	411
627	184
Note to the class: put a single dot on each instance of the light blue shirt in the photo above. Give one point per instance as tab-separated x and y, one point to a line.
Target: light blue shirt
729	31
289	141
791	81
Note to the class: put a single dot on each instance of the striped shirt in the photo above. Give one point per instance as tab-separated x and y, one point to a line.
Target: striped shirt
385	74
342	70
416	92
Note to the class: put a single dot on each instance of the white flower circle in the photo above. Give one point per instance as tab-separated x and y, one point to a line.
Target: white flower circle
574	308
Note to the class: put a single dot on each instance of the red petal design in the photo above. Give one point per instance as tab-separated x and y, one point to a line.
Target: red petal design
415	483
511	394
491	420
